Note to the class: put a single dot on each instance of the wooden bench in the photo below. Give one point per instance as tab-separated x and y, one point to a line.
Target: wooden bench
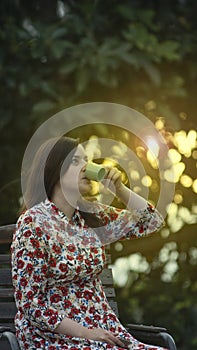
147	334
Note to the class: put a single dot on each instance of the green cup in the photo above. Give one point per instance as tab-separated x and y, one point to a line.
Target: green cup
95	172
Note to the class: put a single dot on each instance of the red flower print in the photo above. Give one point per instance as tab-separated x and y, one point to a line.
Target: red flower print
23	281
41	302
78	294
30	295
29	268
83	308
48	312
37	344
38	231
37	278
78	269
92	240
44	269
53	320
35	289
69	257
55	298
56	249
27	233
88	295
92	310
51	347
30	254
113	216
94	250
18	295
112	329
38	254
19	253
28	220
74	311
64	290
88	262
97	317
52	262
37	313
61	342
20	264
104	307
14	277
63	267
67	303
106	220
34	242
85	241
96	261
88	320
80	257
71	247
112	317
141	229
26	305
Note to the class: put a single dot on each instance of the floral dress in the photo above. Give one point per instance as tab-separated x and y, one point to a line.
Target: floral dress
56	265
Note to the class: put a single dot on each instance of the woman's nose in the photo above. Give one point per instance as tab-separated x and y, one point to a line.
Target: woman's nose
84	165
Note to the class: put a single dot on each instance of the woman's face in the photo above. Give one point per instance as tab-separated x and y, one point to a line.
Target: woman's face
73	181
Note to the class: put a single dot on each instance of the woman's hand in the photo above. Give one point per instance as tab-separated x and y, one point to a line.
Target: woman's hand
103	335
113	179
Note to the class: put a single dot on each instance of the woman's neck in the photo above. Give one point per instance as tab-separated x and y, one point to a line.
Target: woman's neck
59	200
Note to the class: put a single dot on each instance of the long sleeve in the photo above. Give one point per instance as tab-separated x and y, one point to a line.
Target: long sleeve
30	259
125	224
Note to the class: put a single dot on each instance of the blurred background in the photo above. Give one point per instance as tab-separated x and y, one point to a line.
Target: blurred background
142	54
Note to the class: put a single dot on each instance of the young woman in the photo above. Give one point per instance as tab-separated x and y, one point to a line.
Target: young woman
58	254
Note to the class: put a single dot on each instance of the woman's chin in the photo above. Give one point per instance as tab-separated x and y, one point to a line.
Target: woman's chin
85	187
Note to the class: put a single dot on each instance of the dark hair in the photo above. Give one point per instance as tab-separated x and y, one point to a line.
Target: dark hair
47	165
45	169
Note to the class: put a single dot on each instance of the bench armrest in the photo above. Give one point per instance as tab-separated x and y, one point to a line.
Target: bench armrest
8	334
152	335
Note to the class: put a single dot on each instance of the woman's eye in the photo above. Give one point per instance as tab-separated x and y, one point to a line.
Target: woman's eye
75	161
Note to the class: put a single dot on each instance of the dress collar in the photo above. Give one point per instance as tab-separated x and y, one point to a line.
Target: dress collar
76	218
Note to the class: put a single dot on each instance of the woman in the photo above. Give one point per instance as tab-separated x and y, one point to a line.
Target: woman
58	254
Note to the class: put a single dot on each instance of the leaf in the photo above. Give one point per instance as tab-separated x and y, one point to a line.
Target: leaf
153	72
43	106
170	50
59	33
82	79
68	68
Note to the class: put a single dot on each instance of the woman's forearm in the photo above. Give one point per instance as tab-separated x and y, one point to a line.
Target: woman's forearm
72	328
131	199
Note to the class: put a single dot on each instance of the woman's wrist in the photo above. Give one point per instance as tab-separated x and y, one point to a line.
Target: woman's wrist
123	193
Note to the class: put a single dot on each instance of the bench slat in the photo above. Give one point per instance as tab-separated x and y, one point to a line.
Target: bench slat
5	277
5	259
114	306
109	292
6	233
7	310
6	293
107	277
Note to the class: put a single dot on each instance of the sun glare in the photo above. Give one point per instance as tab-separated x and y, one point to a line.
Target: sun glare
153	146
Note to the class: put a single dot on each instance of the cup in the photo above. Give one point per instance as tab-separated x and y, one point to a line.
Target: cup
95	172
